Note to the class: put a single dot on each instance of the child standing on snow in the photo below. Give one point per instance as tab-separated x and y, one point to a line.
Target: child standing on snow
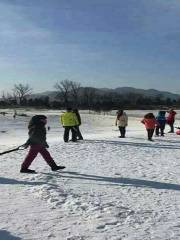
161	120
121	122
38	144
150	122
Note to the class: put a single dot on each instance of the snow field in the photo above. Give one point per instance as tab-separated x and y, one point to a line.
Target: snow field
111	188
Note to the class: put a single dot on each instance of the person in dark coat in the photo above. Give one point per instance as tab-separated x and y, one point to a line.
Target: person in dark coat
161	122
38	144
78	132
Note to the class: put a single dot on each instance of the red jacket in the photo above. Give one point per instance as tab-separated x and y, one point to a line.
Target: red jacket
149	123
170	117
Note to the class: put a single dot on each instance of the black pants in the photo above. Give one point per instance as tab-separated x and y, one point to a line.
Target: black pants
150	133
161	128
122	131
78	133
66	134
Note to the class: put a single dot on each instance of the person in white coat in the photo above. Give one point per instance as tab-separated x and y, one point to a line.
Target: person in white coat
121	122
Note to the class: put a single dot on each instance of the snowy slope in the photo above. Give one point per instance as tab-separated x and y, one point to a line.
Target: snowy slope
111	189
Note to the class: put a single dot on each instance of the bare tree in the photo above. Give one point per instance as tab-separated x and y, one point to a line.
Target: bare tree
88	96
63	88
8	97
75	88
20	92
4	96
67	89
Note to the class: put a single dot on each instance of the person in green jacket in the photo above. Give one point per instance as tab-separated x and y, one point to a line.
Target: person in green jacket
69	121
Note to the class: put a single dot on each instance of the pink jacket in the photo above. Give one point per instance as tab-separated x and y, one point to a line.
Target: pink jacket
171	116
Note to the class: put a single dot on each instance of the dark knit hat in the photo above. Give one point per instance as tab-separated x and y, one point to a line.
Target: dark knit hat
36	120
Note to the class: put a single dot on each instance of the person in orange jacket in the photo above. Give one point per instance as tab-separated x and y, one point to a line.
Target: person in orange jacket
150	123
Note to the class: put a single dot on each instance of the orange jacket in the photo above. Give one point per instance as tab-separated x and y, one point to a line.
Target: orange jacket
149	123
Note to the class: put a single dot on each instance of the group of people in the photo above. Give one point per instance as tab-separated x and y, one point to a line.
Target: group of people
152	123
157	123
71	121
36	142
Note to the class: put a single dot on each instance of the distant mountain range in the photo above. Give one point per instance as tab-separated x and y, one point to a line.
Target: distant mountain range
119	90
147	93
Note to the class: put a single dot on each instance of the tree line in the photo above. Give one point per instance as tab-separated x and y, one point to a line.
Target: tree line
70	93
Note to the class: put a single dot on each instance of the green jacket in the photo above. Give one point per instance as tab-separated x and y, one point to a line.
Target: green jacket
69	119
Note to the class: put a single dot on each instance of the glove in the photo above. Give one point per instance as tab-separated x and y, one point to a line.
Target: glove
26	145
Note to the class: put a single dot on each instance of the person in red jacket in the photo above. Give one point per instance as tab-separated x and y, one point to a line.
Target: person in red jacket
170	119
150	123
38	144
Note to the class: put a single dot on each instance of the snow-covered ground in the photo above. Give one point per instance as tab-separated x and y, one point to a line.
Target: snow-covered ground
111	189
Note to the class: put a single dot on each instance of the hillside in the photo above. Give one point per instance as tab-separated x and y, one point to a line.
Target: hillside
119	90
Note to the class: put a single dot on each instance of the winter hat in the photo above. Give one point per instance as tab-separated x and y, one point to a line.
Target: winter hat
36	120
149	116
69	109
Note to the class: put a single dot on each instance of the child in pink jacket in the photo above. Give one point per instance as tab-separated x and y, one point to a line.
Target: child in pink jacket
150	123
170	119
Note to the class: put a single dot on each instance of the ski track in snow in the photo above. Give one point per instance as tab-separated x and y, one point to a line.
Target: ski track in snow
111	189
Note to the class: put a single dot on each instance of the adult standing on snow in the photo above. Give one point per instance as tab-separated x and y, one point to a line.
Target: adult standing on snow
170	119
78	132
69	121
38	144
121	122
150	123
161	121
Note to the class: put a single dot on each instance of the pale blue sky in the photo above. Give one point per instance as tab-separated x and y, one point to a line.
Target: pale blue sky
100	43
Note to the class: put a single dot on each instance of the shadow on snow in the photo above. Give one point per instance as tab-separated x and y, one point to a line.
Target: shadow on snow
118	181
5	235
14	181
154	144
